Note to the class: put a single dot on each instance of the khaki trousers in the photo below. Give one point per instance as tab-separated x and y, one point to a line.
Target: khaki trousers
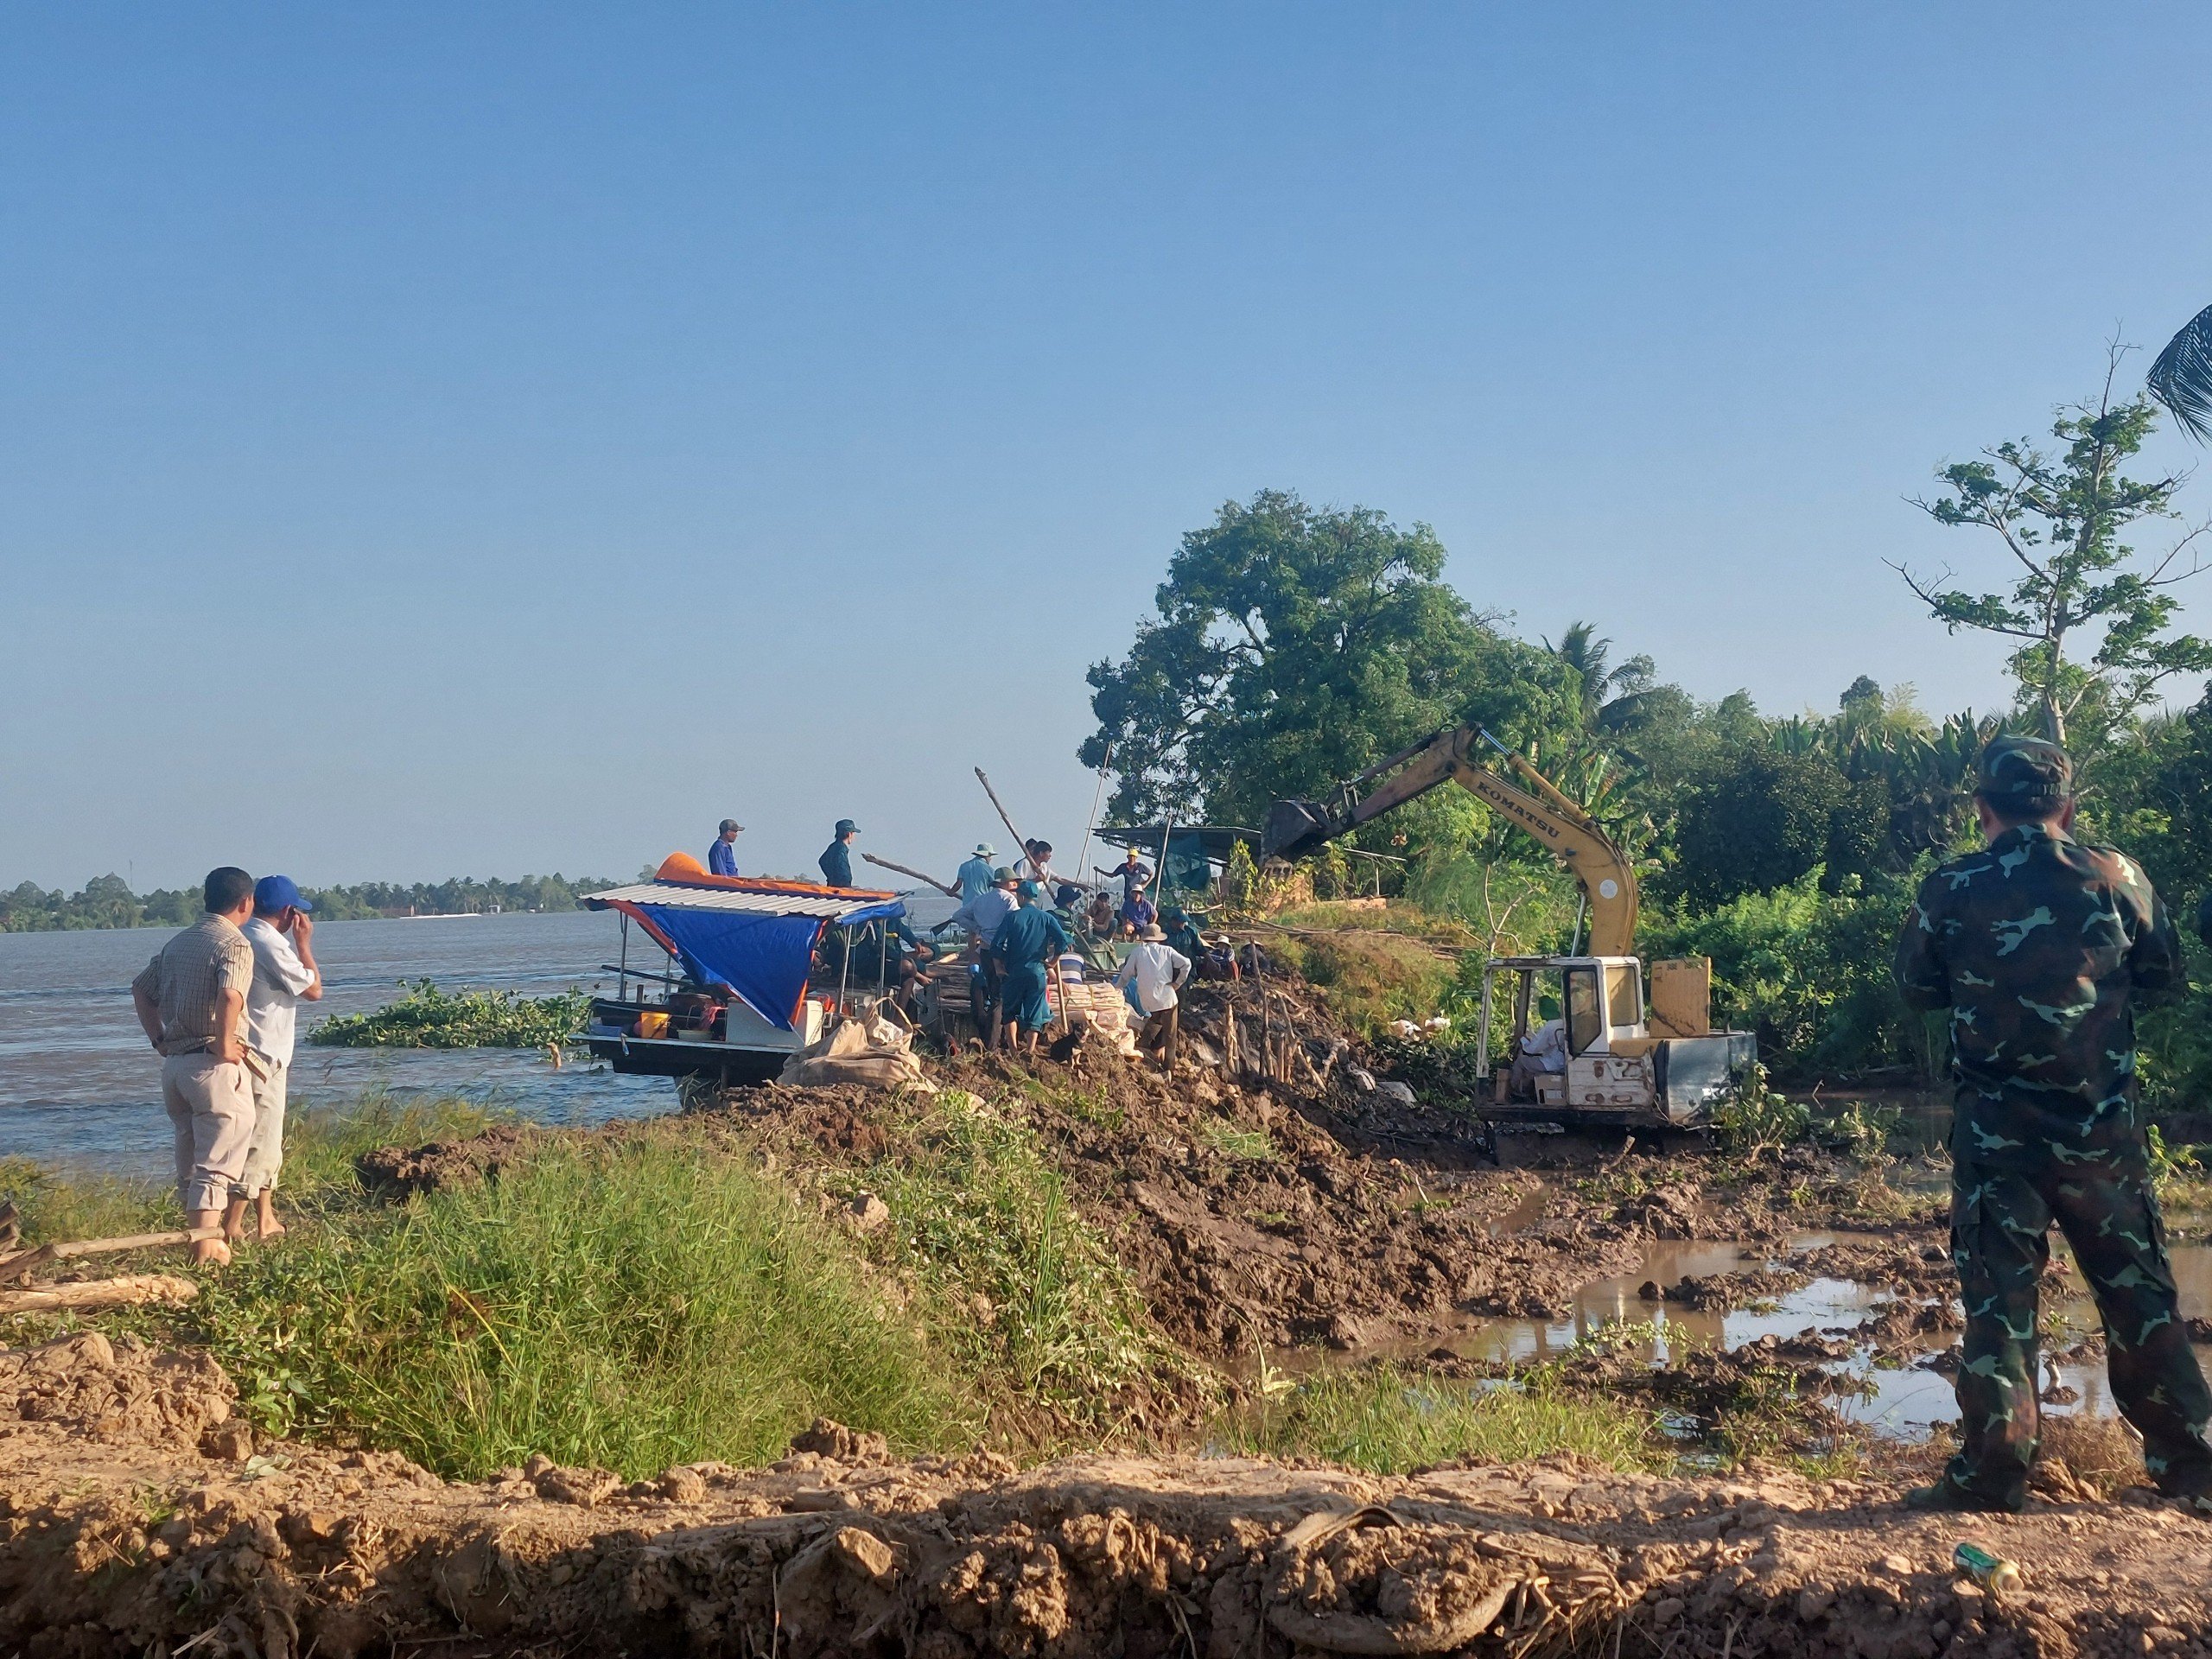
211	1109
265	1155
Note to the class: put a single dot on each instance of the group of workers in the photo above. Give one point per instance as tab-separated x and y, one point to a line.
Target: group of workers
1015	913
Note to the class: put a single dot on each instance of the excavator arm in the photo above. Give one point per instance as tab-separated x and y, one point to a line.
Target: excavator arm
1608	883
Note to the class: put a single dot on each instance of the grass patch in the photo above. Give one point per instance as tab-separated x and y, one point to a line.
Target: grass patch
1368	976
1223	1137
1021	1285
624	1303
1391	1422
321	1143
426	1017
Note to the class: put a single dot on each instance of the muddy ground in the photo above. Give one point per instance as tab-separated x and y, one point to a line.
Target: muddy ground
137	1517
1362	1221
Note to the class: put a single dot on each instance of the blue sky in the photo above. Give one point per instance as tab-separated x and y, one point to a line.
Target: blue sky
502	438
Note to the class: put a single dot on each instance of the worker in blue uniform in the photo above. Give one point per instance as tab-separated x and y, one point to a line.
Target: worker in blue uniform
836	860
1028	941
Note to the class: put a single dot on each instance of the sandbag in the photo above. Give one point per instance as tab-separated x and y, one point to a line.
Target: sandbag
879	1053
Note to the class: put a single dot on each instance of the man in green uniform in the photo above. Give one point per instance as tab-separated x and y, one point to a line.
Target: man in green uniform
2040	946
1027	940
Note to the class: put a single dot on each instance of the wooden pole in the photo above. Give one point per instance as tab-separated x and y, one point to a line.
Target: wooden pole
949	892
128	1290
1019	839
1082	861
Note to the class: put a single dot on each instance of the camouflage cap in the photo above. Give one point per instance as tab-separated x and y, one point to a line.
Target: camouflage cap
2025	773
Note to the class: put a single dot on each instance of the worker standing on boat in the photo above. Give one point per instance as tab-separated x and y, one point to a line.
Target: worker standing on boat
1179	932
972	879
1132	872
284	975
721	857
1026	942
836	860
2041	948
190	1001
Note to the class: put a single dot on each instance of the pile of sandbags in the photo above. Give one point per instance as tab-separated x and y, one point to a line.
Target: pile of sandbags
879	1052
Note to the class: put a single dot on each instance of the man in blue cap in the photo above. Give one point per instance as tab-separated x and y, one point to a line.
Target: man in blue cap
721	857
836	860
281	934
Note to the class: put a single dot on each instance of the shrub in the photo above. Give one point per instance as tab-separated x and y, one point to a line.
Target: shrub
427	1017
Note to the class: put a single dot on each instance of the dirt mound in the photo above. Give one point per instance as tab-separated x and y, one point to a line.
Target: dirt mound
109	1548
395	1173
1249	1216
114	1390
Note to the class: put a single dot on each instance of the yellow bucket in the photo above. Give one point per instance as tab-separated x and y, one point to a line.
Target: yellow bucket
652	1023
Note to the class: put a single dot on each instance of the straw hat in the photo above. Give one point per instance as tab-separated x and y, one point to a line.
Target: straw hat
1153	934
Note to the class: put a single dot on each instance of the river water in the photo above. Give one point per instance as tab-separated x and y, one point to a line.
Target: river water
79	1087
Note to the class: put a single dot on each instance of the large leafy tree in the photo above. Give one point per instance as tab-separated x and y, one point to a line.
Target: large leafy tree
1295	645
2091	616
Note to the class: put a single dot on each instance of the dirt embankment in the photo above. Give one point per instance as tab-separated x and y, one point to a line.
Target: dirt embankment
1317	1211
119	1537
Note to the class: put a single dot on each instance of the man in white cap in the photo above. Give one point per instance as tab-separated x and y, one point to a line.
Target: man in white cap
974	878
1157	970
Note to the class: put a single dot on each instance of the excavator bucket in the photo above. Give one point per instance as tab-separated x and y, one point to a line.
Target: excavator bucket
1295	828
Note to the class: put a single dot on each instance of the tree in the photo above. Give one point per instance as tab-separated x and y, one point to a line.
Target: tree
1766	816
1611	697
2060	519
1294	646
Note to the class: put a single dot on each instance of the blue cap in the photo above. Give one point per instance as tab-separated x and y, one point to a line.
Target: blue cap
1031	890
276	892
847	827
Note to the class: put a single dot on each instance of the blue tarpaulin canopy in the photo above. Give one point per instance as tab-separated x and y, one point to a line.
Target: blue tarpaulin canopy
758	940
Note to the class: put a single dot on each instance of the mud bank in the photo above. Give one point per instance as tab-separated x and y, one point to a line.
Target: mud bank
119	1537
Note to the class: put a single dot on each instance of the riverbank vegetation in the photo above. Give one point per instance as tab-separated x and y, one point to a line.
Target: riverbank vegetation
107	901
425	1017
1293	647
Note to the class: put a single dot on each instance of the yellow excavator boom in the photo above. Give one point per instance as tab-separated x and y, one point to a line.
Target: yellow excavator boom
1575	838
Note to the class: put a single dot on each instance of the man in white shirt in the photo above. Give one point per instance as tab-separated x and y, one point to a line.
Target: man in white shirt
1543	1054
281	934
1157	970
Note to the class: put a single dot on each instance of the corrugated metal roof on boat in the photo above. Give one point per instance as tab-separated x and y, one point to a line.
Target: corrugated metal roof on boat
671	897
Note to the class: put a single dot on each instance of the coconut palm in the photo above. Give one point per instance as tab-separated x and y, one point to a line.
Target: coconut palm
1611	694
2182	377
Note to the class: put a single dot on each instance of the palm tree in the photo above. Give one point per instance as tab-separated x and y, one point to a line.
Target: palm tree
2182	377
1610	695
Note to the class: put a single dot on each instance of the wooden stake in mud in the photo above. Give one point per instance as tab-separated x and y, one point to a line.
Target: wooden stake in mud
885	863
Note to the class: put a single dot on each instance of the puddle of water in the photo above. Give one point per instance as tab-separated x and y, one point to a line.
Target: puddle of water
1903	1403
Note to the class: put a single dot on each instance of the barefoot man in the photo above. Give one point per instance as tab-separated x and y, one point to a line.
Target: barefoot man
191	1000
281	934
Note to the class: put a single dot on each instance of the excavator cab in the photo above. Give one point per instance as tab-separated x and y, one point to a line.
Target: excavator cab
1620	1067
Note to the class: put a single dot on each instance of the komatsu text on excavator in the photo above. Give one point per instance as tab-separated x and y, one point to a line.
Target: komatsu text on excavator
1622	1068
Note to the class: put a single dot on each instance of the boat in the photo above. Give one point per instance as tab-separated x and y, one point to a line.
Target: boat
753	969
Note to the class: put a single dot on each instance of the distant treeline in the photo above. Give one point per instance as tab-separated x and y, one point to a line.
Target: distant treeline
107	901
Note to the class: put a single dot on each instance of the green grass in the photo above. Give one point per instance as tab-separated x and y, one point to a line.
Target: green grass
629	1303
1020	1285
321	1143
427	1017
1223	1137
1390	1421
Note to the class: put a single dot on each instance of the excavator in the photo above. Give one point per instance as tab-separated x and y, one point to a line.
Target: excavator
1625	1068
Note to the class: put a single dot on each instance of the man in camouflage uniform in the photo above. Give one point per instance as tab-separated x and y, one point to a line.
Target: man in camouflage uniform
2039	946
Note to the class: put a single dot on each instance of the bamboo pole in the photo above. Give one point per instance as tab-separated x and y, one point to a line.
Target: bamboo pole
1020	840
949	892
1083	859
